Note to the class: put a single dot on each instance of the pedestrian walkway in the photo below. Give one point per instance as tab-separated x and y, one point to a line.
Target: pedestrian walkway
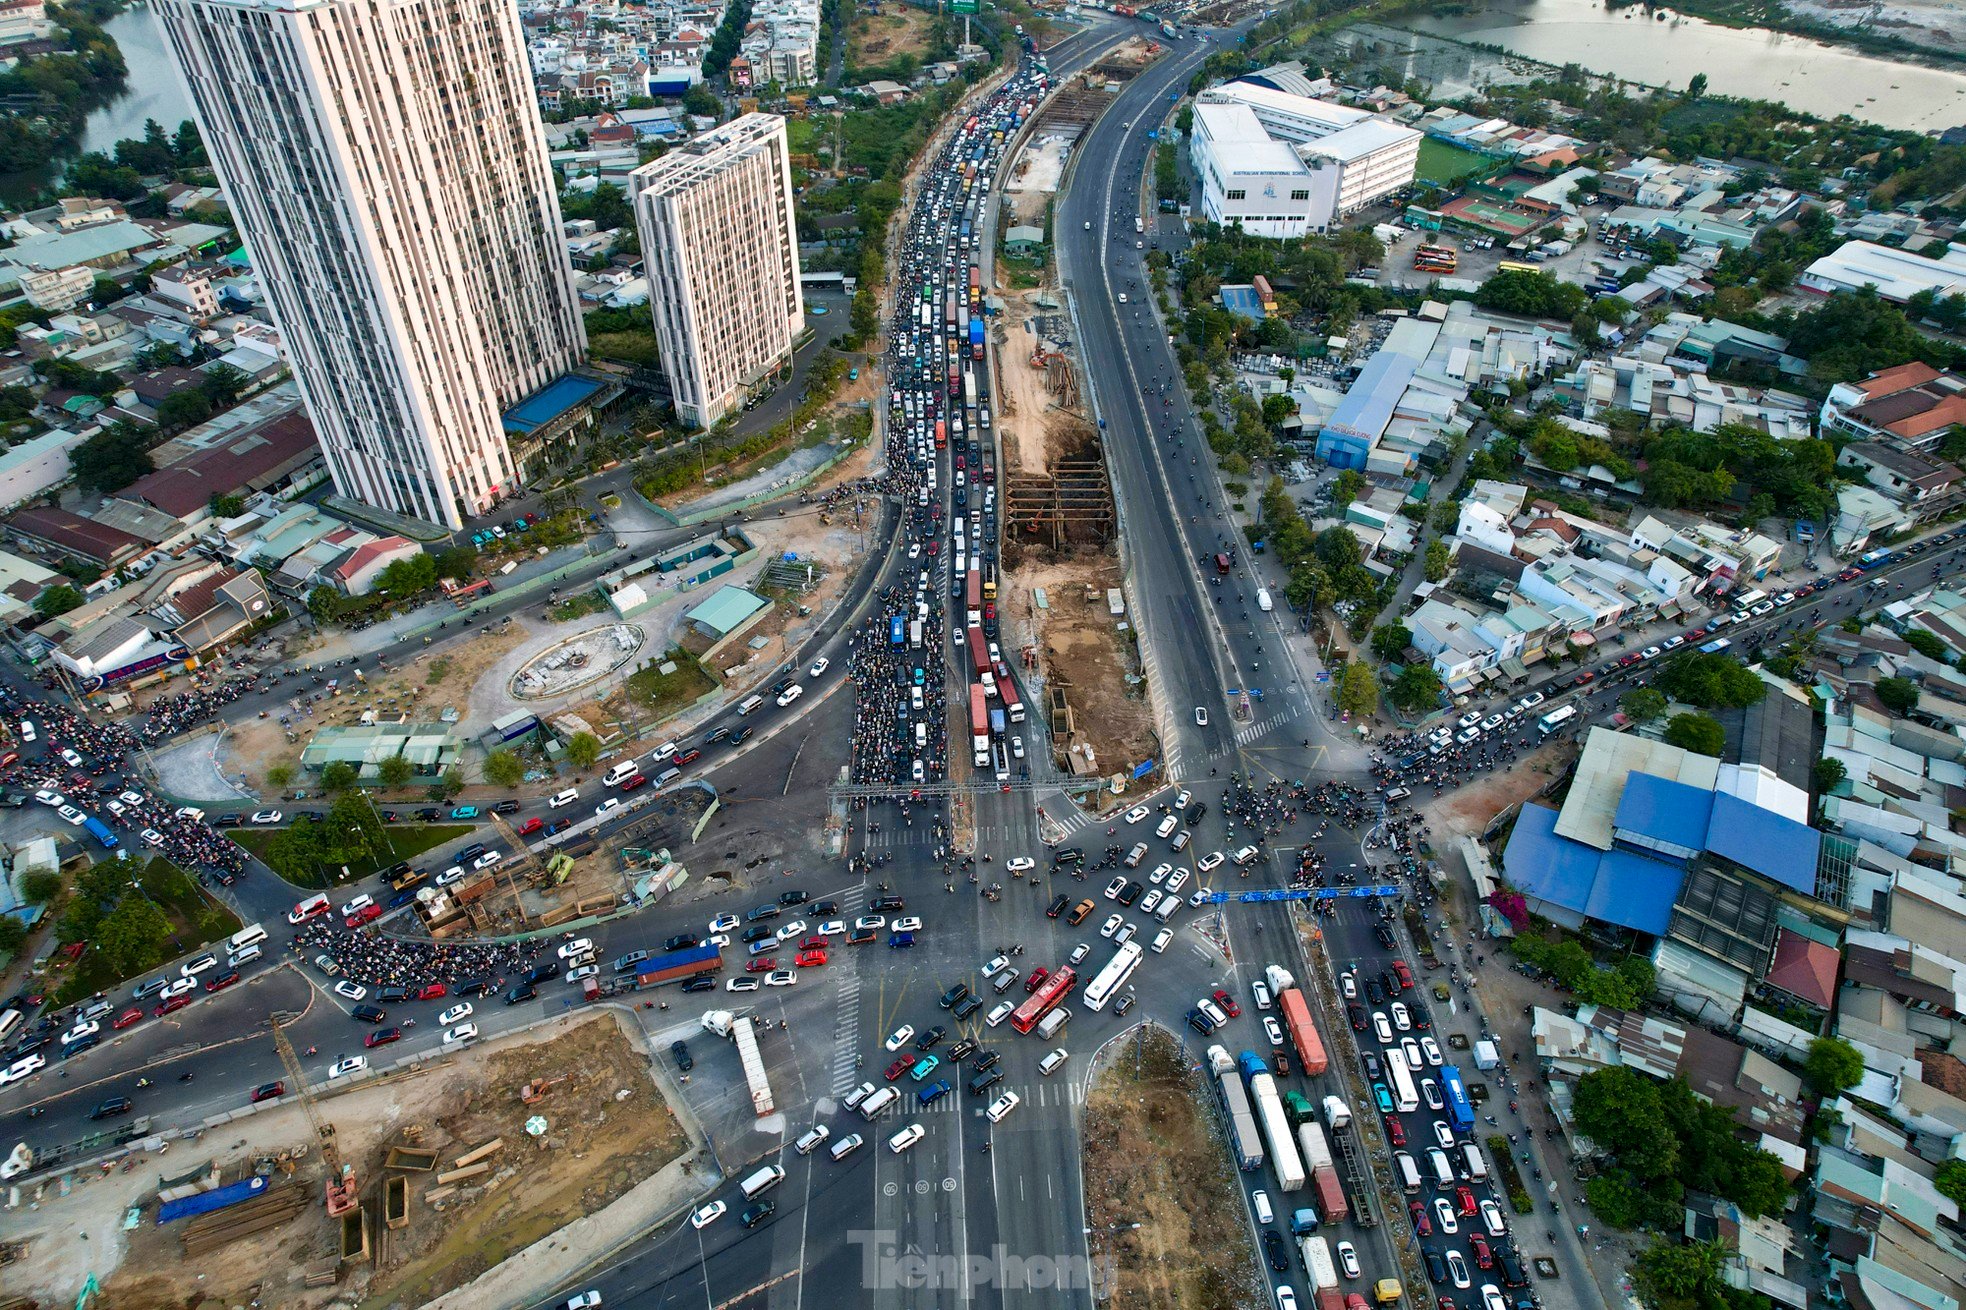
1264	727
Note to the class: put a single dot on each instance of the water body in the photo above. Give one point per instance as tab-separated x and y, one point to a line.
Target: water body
152	90
1662	48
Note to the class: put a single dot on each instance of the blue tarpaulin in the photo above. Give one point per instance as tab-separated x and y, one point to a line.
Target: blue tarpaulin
206	1202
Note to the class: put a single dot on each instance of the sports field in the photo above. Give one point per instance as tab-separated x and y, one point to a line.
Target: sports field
1441	163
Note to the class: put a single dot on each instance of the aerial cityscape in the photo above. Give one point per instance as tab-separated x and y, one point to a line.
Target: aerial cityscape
873	653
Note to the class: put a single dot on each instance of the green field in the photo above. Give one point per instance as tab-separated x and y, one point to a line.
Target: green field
408	840
1441	163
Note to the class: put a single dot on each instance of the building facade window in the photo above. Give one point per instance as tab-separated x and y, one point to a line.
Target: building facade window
1237	194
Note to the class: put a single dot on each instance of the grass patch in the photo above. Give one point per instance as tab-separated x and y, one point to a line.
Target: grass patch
665	694
195	920
440	668
406	841
1441	163
636	348
577	607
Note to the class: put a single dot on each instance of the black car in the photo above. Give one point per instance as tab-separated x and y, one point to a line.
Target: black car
793	897
826	909
1124	1003
540	973
112	1107
505	807
227	821
389	995
680	1051
1130	893
955	994
700	983
1357	1014
967	1006
1372	1067
396	870
961	1050
1374	992
888	903
474	987
765	911
1385	936
985	1060
1436	1267
930	1038
717	735
676	943
521	992
741	736
1421	1019
80	1045
1057	906
469	853
757	934
1276	1250
429	814
756	1213
1193	814
984	1081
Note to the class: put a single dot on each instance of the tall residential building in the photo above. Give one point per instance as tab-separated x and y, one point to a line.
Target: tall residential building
386	165
722	257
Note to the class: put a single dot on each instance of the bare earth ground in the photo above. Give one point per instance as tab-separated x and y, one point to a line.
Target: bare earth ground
1034	178
600	1142
877	38
1080	645
1161	1196
1469	808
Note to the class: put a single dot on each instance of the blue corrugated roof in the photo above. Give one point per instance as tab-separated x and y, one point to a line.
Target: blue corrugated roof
1666	811
1368	406
1242	301
1634	892
1772	845
1543	865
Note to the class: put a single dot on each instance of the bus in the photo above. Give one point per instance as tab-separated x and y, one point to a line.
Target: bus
1555	719
1874	559
1056	988
1460	1113
1111	978
1406	1098
896	633
1516	266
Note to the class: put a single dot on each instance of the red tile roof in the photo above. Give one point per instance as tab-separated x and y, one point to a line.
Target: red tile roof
1914	374
1805	968
232	465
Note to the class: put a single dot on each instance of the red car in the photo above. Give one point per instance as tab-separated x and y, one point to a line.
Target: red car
810	959
1395	1133
268	1092
1404	974
899	1067
223	981
639	780
128	1017
813	944
367	914
934	546
1422	1225
1228	1004
11	757
1036	980
1483	1254
382	1037
1464	1199
432	992
175	1003
531	826
1578	681
763	964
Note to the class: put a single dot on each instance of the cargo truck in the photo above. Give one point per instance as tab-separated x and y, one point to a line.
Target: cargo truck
1303	1033
1284	1159
1243	1136
738	1028
979	727
1337	1115
1012	701
1279	978
976	337
1486	1056
678	965
969	388
1323	1273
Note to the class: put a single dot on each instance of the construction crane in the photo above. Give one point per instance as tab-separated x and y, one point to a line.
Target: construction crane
341	1176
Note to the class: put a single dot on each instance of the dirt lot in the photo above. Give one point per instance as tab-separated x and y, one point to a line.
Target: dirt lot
1155	1157
877	38
1082	653
608	1130
420	689
1469	808
1035	428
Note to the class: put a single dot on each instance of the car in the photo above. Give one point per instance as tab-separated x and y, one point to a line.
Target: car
1430	1093
1020	864
999	1014
1228	1004
705	1215
1383	1098
264	817
453	874
1395	1132
1431	1049
27	730
1422	1226
900	1066
488	859
222	981
1111	926
383	1037
811	959
900	1037
1201	716
907	923
819	666
1210	862
1114	888
924	1066
761	964
1348	1259
72	815
457	1013
1444	1135
112	1107
1036	980
700	983
1457	1270
1491	1219
128	1017
578	946
930	1038
1273	1031
1484	1255
1411	1050
583	973
607	807
1357	1015
796	928
49	797
353	1064
179	987
1276	1250
934	1092
756	1213
870	923
906	1138
741	983
1382	1028
1137	813
268	1092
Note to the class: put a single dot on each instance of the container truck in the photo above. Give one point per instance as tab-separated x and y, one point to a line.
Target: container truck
1337	1115
738	1028
1243	1136
979	727
969	388
1317	1152
1303	1033
1284	1159
1012	701
973	601
955	314
976	337
1263	601
1331	1201
677	965
1297	1106
1323	1272
1303	1220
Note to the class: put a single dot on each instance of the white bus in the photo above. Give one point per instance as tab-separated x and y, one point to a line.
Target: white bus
1555	719
1405	1098
1111	978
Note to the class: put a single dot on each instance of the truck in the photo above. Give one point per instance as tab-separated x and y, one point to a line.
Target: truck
1303	1033
1387	1291
996	720
1486	1056
1284	1158
1263	601
955	313
1243	1136
973	601
969	388
1323	1273
976	336
979	727
1317	1152
1279	978
1012	701
1331	1201
677	965
739	1029
1303	1220
1337	1115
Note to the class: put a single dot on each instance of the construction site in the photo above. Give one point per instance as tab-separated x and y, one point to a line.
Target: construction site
396	1192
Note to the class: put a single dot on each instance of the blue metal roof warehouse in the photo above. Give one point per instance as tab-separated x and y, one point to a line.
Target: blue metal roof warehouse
1362	417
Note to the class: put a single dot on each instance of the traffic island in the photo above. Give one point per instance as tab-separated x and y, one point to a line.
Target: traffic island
1164	1209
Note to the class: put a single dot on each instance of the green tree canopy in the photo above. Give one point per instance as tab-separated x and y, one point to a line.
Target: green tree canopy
1827	773
1699	733
1439	561
1711	681
113	458
395	771
504	769
1417	689
1358	690
1898	694
1532	295
1928	645
583	749
1389	641
58	599
339	775
1643	704
1833	1066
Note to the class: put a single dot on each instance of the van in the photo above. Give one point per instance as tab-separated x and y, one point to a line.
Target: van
237	958
1165	910
1442	1167
1260	1201
11	1022
620	773
664	778
1477	1163
748	704
870	1109
1053	1022
761	1182
251	935
1409	1173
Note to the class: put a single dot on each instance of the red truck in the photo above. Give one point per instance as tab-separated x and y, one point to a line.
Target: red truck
1303	1033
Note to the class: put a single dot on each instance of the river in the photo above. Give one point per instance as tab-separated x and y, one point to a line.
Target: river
154	90
1663	48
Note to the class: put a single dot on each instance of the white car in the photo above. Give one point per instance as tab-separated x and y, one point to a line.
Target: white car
1444	1215
781	978
456	1014
819	666
1160	871
583	973
906	1138
1002	1106
796	928
152	836
588	1300
27	730
450	875
1079	953
908	923
607	806
488	859
464	1032
1348	984
1177	881
578	946
48	797
178	987
1137	813
1020	863
1016	748
705	1215
1431	1049
70	758
723	923
1382	1028
352	991
1532	700
1114	888
1272	1031
22	1068
73	815
742	983
1491	1219
832	928
1402	1020
1201	717
182	812
85	1028
1111	926
999	1014
870	923
1161	939
353	1064
900	1037
1166	827
1457	1270
356	906
192	968
997	964
1154	897
1411	1050
1443	1134
1210	862
1348	1259
790	694
567	797
266	816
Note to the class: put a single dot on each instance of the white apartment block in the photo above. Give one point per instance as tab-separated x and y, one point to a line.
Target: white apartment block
386	166
1284	165
722	259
